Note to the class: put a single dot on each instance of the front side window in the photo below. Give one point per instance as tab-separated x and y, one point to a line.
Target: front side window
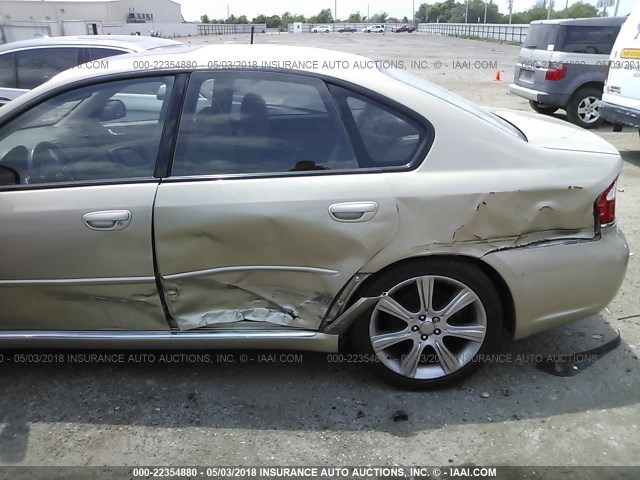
259	122
107	131
36	66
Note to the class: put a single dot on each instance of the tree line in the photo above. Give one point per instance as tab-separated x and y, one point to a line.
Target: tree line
448	11
325	16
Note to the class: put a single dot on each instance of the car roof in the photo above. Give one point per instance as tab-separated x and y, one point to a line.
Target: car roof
207	57
584	22
132	42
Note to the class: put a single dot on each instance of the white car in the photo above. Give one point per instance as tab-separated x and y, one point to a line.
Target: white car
620	102
28	63
320	29
374	29
210	207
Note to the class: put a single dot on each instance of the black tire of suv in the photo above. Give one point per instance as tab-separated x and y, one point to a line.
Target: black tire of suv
542	108
574	102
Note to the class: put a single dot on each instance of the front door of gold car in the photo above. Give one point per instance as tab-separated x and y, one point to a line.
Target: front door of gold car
76	237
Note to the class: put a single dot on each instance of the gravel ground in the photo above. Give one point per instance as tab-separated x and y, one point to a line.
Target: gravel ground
313	411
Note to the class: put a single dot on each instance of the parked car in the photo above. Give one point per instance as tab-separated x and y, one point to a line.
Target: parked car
347	30
320	29
563	65
26	64
404	28
374	29
211	208
621	97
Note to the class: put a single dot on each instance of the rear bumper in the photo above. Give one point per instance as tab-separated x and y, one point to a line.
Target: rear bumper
554	283
555	99
618	114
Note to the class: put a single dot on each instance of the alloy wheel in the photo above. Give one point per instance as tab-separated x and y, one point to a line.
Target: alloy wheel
588	110
428	327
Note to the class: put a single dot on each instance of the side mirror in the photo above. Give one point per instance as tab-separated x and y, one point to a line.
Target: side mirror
8	176
113	110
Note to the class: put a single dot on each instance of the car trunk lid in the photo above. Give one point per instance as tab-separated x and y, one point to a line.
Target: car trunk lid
552	133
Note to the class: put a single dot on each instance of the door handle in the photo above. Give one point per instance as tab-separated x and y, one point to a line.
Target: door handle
108	220
353	212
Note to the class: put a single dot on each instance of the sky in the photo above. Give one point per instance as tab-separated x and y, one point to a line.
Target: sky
193	9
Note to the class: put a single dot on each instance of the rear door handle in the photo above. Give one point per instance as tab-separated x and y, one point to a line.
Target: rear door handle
108	220
353	212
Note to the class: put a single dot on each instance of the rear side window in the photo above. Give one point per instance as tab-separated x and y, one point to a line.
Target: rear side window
8	77
98	53
594	40
383	136
38	65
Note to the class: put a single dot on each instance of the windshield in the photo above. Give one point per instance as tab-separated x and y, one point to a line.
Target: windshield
443	94
55	114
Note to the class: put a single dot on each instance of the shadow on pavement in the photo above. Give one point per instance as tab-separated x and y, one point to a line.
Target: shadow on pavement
309	392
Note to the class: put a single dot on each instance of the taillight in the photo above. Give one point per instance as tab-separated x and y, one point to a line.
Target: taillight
557	71
607	205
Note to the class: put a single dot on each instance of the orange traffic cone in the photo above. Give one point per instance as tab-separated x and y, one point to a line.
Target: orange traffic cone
497	79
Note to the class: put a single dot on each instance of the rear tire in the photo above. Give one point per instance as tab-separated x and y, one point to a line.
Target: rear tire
542	108
440	318
581	108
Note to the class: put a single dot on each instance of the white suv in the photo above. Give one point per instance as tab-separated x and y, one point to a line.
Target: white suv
621	97
375	29
320	29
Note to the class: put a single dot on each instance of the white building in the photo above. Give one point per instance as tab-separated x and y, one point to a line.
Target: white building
77	17
106	11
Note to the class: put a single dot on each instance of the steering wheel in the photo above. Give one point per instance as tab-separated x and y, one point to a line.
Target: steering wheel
48	163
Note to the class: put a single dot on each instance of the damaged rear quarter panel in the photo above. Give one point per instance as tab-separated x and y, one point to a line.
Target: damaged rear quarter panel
515	201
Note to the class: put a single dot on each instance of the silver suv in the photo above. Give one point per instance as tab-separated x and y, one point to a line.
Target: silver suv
563	65
27	64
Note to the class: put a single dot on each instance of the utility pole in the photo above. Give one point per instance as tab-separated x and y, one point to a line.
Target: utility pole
413	10
485	11
335	11
511	10
549	10
367	12
466	13
615	12
228	10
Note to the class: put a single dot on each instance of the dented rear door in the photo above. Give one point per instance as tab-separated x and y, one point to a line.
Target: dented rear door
267	250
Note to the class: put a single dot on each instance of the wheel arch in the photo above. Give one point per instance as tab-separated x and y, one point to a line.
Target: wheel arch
504	292
591	84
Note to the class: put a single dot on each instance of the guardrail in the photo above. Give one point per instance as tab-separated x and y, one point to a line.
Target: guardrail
229	28
497	31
